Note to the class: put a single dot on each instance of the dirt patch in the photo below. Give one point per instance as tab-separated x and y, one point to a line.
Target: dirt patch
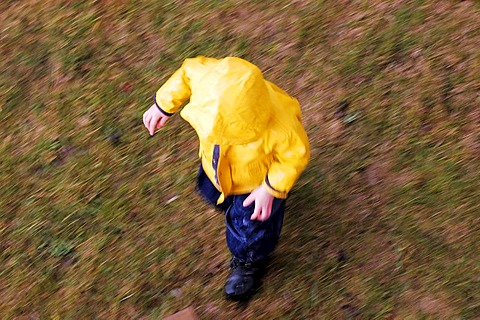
455	233
382	258
434	305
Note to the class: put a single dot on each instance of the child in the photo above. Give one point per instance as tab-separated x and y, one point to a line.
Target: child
253	148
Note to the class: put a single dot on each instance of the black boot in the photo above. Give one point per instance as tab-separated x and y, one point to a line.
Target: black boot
244	279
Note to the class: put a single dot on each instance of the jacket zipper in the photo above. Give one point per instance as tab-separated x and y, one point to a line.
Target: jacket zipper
215	159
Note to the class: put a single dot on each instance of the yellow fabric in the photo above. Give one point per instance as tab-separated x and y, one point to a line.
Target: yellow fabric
255	123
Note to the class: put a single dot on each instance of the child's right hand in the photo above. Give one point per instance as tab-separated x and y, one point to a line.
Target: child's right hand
154	119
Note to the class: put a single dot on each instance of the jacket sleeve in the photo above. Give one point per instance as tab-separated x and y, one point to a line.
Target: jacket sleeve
291	153
173	93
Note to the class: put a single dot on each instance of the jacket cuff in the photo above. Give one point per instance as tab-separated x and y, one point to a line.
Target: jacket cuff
168	114
274	192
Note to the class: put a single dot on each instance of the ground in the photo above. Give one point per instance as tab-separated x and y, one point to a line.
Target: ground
98	220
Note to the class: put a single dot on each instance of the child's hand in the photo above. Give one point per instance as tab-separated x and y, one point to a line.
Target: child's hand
263	203
154	119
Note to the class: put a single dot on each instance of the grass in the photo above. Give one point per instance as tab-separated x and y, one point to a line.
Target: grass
97	220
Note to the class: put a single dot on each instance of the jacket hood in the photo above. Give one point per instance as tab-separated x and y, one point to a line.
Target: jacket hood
231	105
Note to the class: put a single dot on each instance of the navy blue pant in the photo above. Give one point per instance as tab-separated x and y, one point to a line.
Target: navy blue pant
248	240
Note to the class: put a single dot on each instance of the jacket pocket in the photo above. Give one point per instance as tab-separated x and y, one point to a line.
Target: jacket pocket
250	175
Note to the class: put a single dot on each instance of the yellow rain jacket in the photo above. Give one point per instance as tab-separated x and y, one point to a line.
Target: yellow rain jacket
250	130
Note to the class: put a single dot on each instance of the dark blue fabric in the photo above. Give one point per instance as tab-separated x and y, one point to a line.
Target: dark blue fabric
249	241
216	156
208	191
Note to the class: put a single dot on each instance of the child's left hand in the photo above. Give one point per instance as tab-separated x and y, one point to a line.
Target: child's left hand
263	203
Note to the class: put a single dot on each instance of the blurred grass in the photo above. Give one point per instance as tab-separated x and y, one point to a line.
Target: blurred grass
100	221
